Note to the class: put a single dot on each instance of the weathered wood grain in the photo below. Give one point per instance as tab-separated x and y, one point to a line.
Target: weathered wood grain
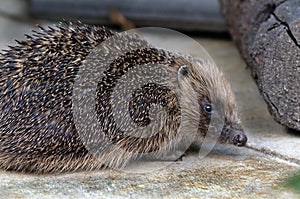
267	33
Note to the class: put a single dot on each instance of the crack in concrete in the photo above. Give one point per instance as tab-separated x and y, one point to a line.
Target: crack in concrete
287	28
272	153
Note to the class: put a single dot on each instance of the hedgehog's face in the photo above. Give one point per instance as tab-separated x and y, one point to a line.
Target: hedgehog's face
216	102
232	131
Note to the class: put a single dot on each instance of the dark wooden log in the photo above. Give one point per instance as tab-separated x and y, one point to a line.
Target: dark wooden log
192	15
267	33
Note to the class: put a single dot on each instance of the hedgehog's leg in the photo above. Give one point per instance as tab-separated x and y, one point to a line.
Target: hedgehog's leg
172	156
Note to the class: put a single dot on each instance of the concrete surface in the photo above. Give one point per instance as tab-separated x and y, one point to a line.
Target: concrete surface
256	171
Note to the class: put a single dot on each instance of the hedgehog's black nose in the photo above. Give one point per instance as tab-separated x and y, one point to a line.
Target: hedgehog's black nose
239	139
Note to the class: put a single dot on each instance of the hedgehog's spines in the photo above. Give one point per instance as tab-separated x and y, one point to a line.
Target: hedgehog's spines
28	36
41	28
37	78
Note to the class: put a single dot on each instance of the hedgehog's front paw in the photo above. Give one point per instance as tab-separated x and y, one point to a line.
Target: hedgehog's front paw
180	157
174	156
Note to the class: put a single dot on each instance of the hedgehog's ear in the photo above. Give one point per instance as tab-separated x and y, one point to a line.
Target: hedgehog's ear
183	71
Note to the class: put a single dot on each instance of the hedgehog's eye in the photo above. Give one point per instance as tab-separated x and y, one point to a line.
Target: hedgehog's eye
208	108
183	71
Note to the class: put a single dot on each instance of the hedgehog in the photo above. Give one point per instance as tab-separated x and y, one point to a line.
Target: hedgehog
39	130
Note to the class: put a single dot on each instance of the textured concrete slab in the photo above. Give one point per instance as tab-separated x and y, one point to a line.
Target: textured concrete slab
217	176
258	171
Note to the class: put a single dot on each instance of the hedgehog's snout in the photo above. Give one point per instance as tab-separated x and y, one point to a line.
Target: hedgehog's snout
239	138
233	135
